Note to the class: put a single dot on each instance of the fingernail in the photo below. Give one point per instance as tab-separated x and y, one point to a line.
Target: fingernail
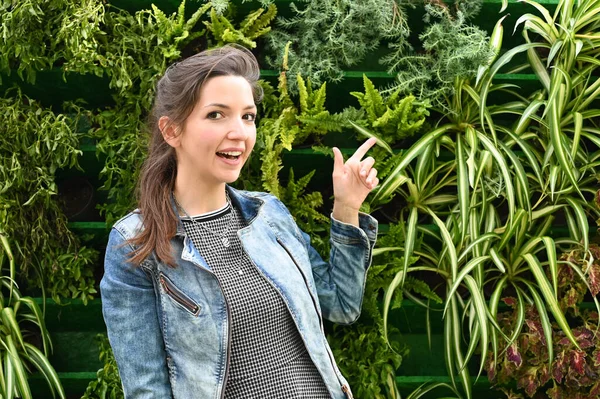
363	172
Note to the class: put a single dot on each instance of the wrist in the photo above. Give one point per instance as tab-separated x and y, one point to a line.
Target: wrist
345	213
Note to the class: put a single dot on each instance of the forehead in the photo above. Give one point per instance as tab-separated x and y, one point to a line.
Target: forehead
226	89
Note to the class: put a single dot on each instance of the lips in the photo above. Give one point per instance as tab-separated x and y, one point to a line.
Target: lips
229	154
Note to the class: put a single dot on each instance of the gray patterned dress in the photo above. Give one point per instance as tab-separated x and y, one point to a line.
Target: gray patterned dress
268	357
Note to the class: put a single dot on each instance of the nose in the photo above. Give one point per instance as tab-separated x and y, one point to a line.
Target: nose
238	130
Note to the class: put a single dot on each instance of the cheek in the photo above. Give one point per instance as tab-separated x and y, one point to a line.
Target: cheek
251	140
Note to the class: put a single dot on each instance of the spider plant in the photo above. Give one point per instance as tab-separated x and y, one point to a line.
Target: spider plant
491	191
17	315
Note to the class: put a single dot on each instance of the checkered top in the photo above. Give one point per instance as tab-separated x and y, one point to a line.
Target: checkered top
268	357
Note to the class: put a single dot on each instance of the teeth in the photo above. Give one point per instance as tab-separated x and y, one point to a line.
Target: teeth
232	153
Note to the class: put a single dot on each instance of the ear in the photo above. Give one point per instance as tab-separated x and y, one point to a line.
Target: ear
169	130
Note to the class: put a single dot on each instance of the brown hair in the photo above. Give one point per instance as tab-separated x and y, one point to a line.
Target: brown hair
177	92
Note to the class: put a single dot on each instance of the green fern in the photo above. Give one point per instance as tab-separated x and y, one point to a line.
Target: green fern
394	117
252	27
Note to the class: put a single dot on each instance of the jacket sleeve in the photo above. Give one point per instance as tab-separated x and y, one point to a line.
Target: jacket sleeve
341	282
129	307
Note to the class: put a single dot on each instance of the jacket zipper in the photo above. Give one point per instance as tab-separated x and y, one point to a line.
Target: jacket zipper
345	387
177	297
228	358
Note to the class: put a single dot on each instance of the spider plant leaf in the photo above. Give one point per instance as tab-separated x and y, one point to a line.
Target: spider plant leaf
41	362
493	312
395	178
441	199
463	372
449	356
9	321
477	241
2	380
545	321
379	251
487	79
545	211
510	232
480	308
464	272
548	294
9	375
504	170
425	388
17	363
526	117
522	180
578	47
582	223
497	260
538	68
578	122
556	139
423	166
463	187
552	264
380	142
448	243
544	11
553	180
556	46
409	242
38	319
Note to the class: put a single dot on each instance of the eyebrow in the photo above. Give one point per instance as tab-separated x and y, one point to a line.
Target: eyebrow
227	106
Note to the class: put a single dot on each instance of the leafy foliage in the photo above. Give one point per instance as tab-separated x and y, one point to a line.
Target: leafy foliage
329	35
37	143
108	381
18	315
255	24
453	50
362	350
573	370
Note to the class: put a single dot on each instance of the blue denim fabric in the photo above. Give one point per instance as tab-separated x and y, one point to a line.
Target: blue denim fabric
169	327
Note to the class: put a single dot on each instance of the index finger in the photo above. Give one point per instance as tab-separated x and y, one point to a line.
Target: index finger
362	150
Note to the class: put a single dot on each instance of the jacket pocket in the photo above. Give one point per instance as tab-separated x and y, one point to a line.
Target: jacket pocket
178	296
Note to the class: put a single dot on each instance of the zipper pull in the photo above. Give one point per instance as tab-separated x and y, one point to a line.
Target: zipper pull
347	391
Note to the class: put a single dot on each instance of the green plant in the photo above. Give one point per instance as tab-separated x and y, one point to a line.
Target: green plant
329	35
38	142
37	35
252	27
361	349
491	192
108	382
18	315
453	50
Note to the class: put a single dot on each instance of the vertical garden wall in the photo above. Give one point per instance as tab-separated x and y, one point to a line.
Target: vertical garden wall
486	114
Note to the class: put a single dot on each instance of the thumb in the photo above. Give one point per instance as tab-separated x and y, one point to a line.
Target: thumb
338	159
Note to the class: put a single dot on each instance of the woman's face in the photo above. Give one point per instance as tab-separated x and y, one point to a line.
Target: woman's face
218	136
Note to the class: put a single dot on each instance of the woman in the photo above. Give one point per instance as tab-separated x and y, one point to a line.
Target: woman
211	292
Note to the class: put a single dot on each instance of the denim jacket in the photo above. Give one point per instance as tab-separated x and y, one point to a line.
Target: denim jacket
170	327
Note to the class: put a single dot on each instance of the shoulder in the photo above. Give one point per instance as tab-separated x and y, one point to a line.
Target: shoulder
130	225
270	203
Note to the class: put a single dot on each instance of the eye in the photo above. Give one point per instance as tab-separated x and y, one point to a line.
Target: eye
214	115
250	117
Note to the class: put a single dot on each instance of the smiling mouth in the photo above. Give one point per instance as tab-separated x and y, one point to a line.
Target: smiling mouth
229	155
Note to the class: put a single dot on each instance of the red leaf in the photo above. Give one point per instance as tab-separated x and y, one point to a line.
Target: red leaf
513	355
578	361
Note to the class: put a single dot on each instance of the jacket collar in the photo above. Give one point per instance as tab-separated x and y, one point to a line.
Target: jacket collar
248	205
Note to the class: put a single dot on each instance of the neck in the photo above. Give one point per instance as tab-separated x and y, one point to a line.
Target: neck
197	199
